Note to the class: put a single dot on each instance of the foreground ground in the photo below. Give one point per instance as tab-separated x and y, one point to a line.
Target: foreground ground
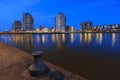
14	65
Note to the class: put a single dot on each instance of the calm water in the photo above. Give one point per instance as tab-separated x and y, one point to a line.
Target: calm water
95	56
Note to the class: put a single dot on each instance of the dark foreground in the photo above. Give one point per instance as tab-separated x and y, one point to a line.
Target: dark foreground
14	65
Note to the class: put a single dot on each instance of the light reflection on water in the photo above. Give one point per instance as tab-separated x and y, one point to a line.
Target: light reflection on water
84	39
99	38
113	39
86	54
72	37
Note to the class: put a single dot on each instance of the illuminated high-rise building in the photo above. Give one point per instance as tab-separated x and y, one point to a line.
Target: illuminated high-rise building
85	26
60	22
28	22
70	28
17	25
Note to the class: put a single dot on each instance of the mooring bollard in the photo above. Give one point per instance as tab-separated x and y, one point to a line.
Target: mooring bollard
38	68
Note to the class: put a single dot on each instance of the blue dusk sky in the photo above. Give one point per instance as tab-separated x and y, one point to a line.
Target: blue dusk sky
44	11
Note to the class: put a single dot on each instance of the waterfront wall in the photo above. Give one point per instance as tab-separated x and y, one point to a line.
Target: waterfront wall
14	65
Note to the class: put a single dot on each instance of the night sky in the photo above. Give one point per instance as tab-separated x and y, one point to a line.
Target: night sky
44	11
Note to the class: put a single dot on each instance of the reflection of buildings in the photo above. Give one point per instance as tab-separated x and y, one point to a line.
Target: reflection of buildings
113	39
37	39
28	22
60	41
72	37
17	39
63	38
53	38
99	38
6	38
60	22
28	42
24	42
43	38
86	38
89	38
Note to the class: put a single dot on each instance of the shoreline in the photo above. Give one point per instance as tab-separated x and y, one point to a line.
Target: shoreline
51	32
15	63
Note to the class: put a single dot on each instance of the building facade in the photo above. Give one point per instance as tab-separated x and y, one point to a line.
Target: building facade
60	22
28	22
86	26
17	25
70	29
42	28
107	28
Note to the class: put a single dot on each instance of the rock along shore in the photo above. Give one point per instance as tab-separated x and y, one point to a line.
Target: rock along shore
14	65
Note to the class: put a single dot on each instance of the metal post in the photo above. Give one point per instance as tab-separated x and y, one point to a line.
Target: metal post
38	68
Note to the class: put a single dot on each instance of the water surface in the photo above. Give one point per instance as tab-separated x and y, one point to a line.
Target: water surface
95	56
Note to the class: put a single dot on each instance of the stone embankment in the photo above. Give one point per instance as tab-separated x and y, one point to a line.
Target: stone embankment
14	65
